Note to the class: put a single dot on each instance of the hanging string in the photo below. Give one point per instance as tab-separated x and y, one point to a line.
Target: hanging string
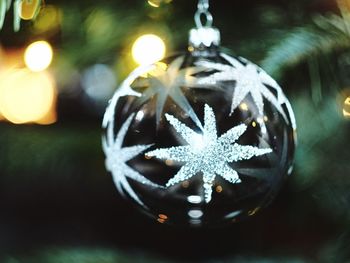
203	10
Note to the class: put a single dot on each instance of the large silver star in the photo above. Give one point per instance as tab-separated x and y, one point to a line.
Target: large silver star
250	79
117	157
206	153
167	81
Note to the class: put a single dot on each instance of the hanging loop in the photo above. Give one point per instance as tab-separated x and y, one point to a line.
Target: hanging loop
204	36
203	10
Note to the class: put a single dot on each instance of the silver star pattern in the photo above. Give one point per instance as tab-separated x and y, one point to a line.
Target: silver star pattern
206	153
250	79
117	157
123	90
167	81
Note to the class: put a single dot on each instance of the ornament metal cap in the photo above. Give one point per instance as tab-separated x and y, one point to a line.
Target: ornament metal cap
204	37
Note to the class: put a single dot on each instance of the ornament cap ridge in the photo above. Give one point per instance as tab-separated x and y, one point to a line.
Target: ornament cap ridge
204	37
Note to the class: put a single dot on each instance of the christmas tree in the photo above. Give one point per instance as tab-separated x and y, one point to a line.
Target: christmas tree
60	63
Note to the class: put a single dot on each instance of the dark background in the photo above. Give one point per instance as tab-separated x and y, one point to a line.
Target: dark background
58	203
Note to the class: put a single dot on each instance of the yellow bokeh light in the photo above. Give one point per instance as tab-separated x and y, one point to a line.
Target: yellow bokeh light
28	9
27	96
38	56
157	3
218	189
346	108
48	19
148	49
244	106
154	3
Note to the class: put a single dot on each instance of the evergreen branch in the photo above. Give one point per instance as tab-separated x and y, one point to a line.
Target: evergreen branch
325	35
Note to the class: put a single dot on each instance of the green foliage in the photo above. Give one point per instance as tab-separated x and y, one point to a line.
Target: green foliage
325	35
78	255
97	255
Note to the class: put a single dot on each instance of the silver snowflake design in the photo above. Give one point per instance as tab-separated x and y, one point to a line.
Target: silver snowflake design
250	79
117	158
167	81
206	152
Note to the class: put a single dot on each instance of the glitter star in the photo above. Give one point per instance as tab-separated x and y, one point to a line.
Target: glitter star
167	81
206	153
117	157
250	79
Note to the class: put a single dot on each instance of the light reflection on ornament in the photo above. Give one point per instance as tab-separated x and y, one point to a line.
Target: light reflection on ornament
139	115
148	49
218	189
244	106
194	199
169	162
254	211
195	213
162	218
233	214
38	56
27	96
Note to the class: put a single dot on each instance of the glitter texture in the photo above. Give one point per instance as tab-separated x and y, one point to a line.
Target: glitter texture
250	79
167	81
117	156
206	153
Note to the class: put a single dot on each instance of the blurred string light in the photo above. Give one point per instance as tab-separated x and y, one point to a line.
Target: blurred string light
38	56
346	108
148	49
27	96
99	82
158	3
28	9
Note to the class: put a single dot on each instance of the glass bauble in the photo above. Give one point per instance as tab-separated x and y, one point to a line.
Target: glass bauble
201	138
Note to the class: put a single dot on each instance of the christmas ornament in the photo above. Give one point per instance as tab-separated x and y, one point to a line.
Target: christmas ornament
201	138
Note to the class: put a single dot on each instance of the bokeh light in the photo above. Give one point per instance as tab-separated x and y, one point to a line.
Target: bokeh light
28	9
49	19
148	49
158	3
27	96
346	108
38	56
99	82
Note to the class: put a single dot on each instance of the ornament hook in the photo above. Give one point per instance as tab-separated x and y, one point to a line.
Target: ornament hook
203	9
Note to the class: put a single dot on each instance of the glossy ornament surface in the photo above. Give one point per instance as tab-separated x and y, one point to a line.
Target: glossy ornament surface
202	138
